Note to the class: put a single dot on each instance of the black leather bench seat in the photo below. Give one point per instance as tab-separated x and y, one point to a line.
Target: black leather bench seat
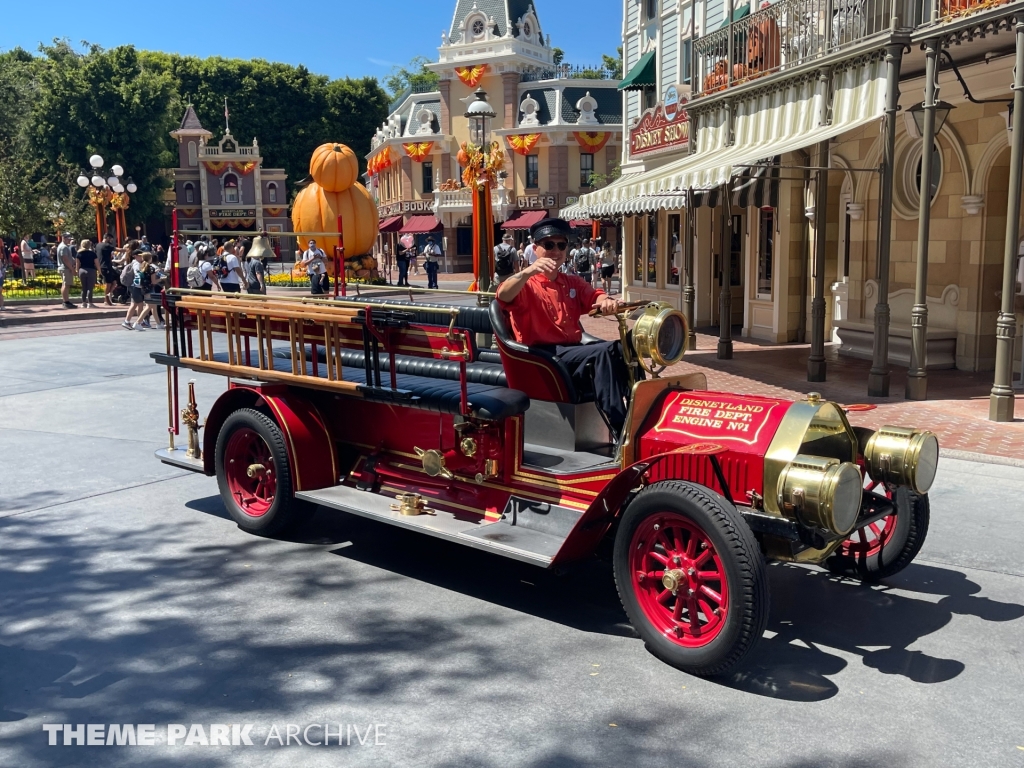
476	373
487	402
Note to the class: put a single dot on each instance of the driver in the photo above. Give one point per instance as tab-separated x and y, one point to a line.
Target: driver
545	305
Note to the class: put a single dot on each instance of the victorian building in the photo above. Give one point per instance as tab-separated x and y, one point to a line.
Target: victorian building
223	186
560	127
775	177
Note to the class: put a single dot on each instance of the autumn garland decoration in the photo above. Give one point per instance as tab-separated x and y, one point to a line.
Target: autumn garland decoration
480	168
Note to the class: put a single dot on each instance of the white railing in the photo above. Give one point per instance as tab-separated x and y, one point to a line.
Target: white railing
215	152
450	205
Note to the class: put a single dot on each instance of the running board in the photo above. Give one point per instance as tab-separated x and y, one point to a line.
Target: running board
511	536
177	457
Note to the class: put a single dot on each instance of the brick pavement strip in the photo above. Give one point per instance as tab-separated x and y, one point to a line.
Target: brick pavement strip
956	411
18	314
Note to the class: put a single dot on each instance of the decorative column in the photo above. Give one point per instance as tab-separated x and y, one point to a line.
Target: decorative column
917	374
816	360
878	377
725	283
689	294
1001	400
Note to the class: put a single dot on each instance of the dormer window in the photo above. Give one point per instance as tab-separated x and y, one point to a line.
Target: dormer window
478	27
527	29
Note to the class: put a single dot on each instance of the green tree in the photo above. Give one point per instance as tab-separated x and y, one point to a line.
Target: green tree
557	56
613	63
106	103
415	76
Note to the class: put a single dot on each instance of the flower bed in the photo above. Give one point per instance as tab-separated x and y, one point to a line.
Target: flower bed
45	285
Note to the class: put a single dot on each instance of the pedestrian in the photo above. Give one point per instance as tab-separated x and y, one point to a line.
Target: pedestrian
207	271
607	260
105	264
431	258
28	256
231	274
255	280
583	261
402	262
67	268
144	245
87	264
315	262
505	259
414	261
529	255
131	274
5	266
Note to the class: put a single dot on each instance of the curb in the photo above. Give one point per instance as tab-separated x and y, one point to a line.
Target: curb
981	458
72	315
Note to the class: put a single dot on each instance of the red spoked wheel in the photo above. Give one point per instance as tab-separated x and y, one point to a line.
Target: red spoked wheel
250	472
691	577
888	545
254	474
679	579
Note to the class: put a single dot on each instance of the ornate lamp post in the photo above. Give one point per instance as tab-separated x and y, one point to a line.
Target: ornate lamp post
480	113
107	190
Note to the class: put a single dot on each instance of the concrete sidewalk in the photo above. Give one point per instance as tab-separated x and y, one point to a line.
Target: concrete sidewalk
18	313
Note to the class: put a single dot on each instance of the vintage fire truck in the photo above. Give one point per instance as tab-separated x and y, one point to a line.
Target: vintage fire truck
394	409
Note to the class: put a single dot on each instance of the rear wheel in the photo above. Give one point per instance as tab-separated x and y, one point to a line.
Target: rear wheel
691	577
254	474
889	545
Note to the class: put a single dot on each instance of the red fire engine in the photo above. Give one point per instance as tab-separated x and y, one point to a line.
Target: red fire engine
391	409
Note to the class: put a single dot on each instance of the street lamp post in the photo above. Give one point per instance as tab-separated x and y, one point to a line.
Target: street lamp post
107	190
480	113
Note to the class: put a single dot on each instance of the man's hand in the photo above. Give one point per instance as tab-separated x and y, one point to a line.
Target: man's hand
606	305
544	266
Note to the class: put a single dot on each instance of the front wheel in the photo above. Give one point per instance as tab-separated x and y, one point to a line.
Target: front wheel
691	577
889	545
254	474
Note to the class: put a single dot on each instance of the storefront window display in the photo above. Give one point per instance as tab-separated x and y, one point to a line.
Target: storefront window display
765	254
652	251
639	230
675	249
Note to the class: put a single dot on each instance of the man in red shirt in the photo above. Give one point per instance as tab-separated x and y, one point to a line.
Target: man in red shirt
545	305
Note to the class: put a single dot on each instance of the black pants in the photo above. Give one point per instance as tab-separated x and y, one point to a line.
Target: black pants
431	267
403	271
601	369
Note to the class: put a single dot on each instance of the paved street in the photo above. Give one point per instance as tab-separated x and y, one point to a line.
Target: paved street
128	596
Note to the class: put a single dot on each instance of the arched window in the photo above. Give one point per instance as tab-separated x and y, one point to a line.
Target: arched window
190	193
272	192
193	154
230	188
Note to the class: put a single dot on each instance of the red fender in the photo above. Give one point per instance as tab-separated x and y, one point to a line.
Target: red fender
597	520
311	450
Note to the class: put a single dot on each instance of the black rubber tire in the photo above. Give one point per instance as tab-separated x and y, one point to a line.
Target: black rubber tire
745	569
286	511
913	514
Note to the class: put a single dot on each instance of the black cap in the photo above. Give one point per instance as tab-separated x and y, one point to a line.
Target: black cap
548	227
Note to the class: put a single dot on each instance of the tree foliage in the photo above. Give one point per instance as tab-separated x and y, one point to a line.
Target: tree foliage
613	63
65	104
415	76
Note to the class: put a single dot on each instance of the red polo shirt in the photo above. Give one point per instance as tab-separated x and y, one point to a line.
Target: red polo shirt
548	312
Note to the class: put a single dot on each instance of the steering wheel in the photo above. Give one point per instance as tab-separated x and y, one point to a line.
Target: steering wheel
595	312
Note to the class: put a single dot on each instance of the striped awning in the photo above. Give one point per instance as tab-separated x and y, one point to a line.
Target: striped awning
767	125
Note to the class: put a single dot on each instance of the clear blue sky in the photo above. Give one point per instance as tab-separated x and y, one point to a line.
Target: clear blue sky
351	38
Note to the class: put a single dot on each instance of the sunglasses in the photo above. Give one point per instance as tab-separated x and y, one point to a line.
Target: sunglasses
550	245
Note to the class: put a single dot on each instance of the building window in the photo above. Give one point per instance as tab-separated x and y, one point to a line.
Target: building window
464	241
652	251
428	177
230	188
652	9
650	98
687	60
586	169
765	254
532	171
193	154
190	193
272	192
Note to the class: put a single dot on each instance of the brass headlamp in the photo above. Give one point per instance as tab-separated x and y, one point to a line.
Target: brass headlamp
822	492
907	457
660	334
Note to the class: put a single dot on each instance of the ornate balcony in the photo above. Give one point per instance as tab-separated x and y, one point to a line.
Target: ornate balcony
451	205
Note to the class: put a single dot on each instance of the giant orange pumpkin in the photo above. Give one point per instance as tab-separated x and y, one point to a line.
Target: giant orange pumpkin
316	210
334	167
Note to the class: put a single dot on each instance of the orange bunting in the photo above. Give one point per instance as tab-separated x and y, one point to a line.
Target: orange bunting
420	151
244	168
472	76
523	144
590	141
216	168
379	162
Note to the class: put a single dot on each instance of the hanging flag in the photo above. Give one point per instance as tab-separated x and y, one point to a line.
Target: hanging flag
420	151
244	168
472	76
523	144
216	168
590	141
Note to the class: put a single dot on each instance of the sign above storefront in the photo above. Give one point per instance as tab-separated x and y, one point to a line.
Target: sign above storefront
666	126
535	202
233	213
406	206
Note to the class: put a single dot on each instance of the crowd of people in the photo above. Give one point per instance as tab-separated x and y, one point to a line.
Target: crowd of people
584	260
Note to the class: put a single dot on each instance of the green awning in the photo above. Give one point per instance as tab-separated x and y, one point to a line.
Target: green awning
737	14
644	74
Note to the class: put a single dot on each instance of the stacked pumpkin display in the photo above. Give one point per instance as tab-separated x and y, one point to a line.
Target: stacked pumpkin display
335	192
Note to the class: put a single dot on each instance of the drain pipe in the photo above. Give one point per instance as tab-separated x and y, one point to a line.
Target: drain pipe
801	329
